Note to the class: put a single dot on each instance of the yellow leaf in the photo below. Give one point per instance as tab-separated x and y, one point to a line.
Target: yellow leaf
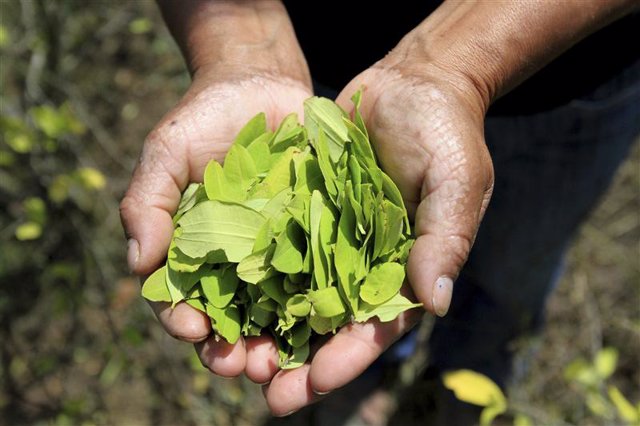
522	420
606	361
28	231
474	388
4	36
626	410
91	178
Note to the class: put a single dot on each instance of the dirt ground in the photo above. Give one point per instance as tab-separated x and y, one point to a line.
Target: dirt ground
78	345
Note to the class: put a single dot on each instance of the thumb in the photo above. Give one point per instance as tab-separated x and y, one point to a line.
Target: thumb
454	197
153	195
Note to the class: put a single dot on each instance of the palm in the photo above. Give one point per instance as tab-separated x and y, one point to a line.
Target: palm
206	121
429	139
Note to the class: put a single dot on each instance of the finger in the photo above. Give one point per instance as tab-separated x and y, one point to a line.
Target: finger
354	348
262	359
182	322
221	357
289	391
455	193
150	200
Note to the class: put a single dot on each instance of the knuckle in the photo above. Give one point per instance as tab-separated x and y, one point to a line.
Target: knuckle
458	247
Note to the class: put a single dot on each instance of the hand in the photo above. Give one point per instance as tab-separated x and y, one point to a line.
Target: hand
428	134
201	127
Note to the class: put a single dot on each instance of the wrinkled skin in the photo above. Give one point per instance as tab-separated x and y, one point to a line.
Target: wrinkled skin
428	136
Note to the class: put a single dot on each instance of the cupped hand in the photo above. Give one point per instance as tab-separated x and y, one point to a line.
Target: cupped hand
200	128
427	131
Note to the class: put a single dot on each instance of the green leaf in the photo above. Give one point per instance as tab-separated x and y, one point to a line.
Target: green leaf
316	208
522	420
309	177
198	304
328	234
4	36
626	410
180	283
582	372
326	302
273	287
226	322
239	170
194	193
140	26
298	208
290	248
361	146
28	231
347	256
180	262
382	283
90	178
289	133
299	335
277	205
606	361
257	266
322	113
326	166
387	311
260	315
252	130
357	117
281	176
219	286
35	209
216	186
155	287
298	305
214	225
260	153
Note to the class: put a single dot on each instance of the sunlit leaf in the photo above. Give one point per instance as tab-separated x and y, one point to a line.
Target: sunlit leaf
213	225
220	286
28	231
155	287
382	283
140	26
477	389
252	130
606	361
326	302
91	178
226	322
626	410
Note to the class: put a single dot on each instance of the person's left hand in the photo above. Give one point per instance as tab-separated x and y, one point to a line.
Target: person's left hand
427	131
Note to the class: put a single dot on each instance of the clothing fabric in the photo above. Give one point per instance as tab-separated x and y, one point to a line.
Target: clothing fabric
556	142
340	43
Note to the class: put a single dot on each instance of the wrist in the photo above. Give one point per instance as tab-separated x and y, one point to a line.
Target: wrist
231	39
493	46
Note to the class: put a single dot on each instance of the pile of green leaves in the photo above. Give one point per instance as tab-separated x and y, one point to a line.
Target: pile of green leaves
299	232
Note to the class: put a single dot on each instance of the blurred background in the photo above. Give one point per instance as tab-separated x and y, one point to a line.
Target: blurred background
81	84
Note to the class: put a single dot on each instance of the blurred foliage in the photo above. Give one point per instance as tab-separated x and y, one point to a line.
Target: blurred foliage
81	84
74	77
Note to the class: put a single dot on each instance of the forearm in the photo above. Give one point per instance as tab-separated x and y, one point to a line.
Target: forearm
497	44
227	36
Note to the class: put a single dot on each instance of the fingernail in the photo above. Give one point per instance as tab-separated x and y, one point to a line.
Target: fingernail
321	393
133	254
286	414
441	295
